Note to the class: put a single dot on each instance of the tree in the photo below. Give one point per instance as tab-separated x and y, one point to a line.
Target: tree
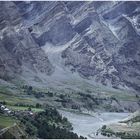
104	127
30	129
137	96
38	105
29	109
30	88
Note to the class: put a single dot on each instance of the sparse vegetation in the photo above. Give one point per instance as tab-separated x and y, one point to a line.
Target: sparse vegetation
128	131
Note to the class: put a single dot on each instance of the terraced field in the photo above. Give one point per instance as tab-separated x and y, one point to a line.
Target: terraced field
6	121
21	108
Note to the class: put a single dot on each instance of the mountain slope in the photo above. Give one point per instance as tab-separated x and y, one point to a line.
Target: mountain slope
100	38
18	49
92	42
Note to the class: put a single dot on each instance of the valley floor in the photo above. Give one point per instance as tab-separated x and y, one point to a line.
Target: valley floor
87	125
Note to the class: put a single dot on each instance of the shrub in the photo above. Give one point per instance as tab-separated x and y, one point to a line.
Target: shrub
104	127
38	105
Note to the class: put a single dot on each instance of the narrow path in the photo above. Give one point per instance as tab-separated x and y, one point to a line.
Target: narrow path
2	131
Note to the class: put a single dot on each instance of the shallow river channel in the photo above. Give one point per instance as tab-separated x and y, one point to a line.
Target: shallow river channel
86	125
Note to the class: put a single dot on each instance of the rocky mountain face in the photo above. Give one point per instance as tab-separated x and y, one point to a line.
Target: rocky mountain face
97	40
18	50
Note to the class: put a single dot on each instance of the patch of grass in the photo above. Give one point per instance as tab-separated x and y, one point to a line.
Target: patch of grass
22	108
11	95
6	121
13	100
37	109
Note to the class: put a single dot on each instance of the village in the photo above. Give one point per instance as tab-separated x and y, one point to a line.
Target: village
7	111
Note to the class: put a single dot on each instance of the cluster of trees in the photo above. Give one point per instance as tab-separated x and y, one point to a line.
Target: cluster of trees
107	131
47	125
30	91
37	105
3	102
95	100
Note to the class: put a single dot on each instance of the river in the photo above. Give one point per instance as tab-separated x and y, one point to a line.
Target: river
87	125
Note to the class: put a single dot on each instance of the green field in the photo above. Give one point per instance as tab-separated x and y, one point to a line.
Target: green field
21	108
6	121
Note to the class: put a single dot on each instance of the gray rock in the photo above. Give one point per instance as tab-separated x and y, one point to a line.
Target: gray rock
17	47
